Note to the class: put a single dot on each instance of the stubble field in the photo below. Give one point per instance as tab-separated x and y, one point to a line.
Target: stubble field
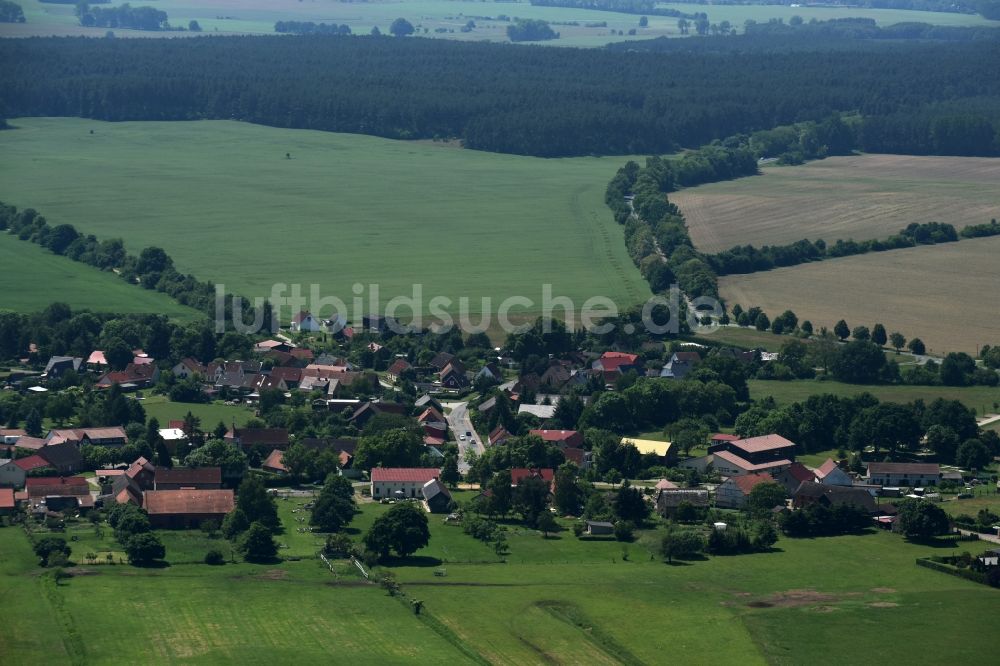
859	197
946	295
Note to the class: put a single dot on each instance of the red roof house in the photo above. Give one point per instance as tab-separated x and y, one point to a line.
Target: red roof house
563	438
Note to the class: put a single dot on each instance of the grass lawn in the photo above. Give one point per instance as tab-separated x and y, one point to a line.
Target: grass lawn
255	16
210	413
980	398
559	600
223	201
34	278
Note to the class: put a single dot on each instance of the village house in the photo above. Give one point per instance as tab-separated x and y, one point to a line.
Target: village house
561	438
187	508
793	476
831	474
398	367
7	505
10	436
141	473
453	376
912	475
401	482
369	410
490	373
187	478
97	361
519	474
32	463
134	376
680	364
734	491
616	362
498	436
304	321
187	368
12	475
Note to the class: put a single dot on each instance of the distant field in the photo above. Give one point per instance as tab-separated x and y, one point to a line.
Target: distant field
861	197
980	398
227	205
946	295
258	16
34	277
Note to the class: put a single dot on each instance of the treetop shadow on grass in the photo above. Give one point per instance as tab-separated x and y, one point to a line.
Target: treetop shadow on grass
411	561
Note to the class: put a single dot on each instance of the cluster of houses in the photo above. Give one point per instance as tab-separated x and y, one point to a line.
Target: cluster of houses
745	463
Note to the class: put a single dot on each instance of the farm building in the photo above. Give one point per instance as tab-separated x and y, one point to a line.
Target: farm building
305	321
663	450
903	474
275	462
819	493
186	508
111	436
401	482
794	475
6	501
436	496
187	478
667	501
730	464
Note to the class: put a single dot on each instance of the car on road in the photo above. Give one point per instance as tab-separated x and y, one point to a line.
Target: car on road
462	437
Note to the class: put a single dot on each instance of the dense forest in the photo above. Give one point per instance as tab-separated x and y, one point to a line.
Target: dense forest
524	100
123	16
988	8
646	7
866	28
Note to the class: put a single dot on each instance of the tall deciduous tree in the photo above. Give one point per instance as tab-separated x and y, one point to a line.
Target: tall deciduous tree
402	529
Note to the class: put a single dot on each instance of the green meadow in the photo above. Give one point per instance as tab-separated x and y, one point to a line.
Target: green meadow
555	600
33	277
211	414
445	18
340	210
984	399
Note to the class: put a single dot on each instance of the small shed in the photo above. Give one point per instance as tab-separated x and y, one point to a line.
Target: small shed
600	528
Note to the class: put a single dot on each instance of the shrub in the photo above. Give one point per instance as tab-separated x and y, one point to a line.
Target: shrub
215	557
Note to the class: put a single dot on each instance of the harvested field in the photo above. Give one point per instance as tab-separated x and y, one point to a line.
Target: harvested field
860	197
944	294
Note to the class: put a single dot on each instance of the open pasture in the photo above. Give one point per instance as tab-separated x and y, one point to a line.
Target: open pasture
259	17
227	204
556	600
944	294
859	197
980	398
33	277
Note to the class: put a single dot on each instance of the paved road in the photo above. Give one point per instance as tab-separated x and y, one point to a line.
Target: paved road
983	536
985	421
460	423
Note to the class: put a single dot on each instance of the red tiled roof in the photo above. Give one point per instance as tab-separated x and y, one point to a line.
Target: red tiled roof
743	464
170	502
6	498
188	475
762	443
568	437
274	461
723	437
614	360
826	468
574	455
746	483
519	474
32	462
800	472
405	474
664	484
39	486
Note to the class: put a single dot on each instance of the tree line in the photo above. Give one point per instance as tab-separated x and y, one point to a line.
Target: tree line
11	12
152	268
866	28
644	7
749	259
545	102
311	28
122	16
